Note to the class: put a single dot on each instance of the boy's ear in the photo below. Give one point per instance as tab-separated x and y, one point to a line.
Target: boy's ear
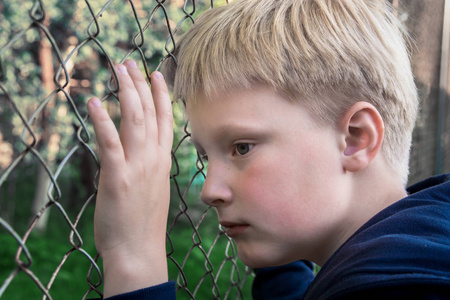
363	130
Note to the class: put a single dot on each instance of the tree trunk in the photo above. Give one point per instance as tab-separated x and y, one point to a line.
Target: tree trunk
43	180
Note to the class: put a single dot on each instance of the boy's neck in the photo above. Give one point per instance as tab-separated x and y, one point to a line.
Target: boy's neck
373	189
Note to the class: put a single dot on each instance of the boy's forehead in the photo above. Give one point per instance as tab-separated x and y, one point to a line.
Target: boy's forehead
226	102
220	95
245	110
241	98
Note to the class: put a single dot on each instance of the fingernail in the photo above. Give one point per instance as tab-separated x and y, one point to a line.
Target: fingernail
131	64
158	75
96	102
121	69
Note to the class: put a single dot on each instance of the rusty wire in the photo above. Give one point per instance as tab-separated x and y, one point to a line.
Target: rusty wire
229	267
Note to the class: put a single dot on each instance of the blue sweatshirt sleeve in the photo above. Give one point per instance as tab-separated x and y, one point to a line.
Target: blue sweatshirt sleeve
164	291
286	282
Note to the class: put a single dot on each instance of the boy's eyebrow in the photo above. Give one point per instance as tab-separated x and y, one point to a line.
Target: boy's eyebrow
233	129
228	130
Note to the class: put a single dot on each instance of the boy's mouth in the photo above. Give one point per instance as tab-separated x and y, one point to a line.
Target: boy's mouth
233	229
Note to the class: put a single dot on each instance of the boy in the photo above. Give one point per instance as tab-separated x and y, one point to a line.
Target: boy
304	110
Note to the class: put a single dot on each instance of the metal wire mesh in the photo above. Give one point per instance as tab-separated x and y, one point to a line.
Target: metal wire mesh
60	53
54	55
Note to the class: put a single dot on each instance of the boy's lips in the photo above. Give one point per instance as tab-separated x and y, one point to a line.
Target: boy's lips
233	229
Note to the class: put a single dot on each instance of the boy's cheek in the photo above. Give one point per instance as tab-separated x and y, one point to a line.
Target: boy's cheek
259	179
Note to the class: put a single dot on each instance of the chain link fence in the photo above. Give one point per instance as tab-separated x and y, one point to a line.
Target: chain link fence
55	55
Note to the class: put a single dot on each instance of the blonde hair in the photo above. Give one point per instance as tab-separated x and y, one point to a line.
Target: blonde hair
324	54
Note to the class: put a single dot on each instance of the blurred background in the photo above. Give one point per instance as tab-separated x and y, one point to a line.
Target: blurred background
54	56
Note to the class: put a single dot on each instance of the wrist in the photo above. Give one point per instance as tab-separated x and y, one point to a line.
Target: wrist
126	272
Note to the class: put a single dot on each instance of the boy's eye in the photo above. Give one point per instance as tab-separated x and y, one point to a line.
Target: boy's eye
243	148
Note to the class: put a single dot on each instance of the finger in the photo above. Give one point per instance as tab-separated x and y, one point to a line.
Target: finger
164	112
132	125
111	152
146	98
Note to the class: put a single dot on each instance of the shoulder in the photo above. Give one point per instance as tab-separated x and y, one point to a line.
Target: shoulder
407	244
398	292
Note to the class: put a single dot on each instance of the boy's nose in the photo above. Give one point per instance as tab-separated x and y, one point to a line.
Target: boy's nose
216	190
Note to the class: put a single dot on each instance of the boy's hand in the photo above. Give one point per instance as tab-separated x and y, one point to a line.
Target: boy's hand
133	195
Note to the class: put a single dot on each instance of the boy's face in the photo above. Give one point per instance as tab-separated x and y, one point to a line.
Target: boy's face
274	176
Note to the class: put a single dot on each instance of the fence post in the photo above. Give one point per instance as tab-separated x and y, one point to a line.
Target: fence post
443	79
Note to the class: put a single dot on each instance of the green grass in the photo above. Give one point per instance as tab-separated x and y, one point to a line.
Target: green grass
47	251
204	272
